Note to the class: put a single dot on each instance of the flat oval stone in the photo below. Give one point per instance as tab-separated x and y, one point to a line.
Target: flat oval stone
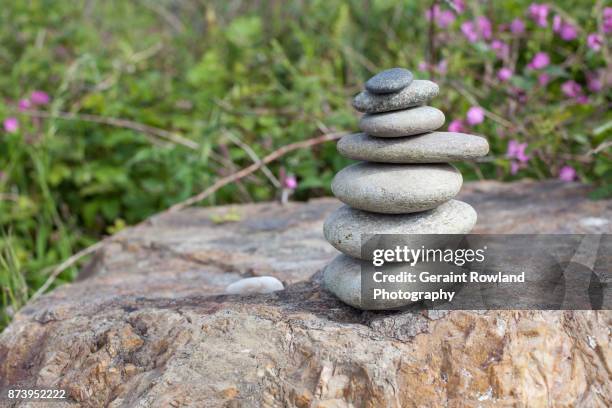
343	277
435	147
388	81
402	123
417	93
348	228
396	188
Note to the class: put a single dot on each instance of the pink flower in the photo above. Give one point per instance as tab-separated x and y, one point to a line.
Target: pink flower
484	27
567	173
582	99
469	31
422	66
432	12
290	182
571	89
443	18
556	25
502	50
40	98
475	115
539	61
568	32
458	5
11	125
481	29
594	82
517	26
607	20
442	67
515	167
521	156
516	150
24	104
504	74
543	79
594	41
539	13
456	126
565	30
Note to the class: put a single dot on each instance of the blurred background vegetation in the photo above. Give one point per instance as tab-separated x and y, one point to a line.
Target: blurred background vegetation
115	110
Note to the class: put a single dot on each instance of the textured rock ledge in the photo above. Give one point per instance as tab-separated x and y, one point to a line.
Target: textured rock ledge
148	325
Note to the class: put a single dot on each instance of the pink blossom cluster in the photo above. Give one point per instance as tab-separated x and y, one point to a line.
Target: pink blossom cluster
607	20
539	13
480	29
440	68
573	89
474	116
444	18
37	98
516	153
564	29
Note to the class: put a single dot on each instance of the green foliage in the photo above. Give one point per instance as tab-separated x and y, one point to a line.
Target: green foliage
271	75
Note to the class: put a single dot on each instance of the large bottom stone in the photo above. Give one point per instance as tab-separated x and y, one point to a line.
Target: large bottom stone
347	228
345	275
396	188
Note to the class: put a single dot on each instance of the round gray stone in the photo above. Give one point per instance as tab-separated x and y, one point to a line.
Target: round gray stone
396	188
343	277
347	229
417	93
402	123
389	81
435	147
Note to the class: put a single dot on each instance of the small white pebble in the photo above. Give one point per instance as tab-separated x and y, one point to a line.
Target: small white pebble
593	222
259	284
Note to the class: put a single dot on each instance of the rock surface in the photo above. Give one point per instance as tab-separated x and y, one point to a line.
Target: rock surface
389	81
396	189
434	147
402	123
346	227
147	325
417	93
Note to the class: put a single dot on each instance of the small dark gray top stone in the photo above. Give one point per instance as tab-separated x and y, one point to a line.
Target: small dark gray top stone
389	81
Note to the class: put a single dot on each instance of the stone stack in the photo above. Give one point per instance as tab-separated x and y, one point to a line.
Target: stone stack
404	183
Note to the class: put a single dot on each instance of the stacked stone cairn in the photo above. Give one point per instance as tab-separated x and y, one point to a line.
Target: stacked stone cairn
403	183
